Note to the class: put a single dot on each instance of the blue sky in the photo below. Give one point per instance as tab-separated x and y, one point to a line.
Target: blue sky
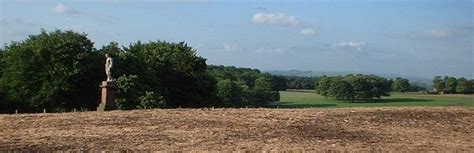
409	37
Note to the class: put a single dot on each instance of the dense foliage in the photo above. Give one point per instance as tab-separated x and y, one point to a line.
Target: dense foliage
61	71
353	87
297	82
451	85
171	71
53	71
401	85
239	87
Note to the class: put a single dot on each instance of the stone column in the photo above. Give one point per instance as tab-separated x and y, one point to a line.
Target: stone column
107	99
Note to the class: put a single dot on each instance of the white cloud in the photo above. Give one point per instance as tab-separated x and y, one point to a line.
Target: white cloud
63	9
269	50
282	19
232	47
352	45
308	32
437	34
278	19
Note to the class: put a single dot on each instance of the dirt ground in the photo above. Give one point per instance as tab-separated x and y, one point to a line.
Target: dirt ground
354	129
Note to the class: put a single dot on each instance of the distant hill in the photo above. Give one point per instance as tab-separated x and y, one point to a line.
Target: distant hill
426	81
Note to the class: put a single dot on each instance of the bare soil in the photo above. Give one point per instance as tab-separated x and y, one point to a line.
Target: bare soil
354	129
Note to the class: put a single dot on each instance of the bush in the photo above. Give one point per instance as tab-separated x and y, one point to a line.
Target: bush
151	100
128	92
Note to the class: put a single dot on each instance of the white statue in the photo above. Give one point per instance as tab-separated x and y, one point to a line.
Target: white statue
109	63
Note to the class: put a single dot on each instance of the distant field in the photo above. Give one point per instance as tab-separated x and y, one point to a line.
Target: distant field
308	99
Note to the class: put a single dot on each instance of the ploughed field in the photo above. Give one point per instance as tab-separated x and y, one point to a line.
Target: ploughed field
355	129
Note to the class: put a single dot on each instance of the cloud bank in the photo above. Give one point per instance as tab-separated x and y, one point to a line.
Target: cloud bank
278	19
352	45
63	9
308	32
282	20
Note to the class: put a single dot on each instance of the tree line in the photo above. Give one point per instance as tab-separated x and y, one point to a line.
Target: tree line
298	82
354	87
452	85
310	83
238	87
61	70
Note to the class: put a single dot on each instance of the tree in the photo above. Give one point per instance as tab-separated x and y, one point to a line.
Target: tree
264	93
129	90
340	89
417	86
323	85
401	85
297	82
2	61
380	86
464	86
52	70
3	101
229	92
246	79
279	82
170	70
450	85
361	87
354	87
438	84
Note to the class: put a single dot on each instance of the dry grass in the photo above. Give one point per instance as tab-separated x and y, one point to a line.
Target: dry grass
355	129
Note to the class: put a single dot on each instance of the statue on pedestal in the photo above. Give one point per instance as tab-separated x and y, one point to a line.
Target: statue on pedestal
107	99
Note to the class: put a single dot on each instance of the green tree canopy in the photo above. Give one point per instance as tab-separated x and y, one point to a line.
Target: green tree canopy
52	70
264	92
353	87
438	84
464	86
450	85
229	92
323	85
170	70
340	89
401	85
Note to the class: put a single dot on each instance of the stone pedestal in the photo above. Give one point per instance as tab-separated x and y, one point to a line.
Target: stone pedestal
107	96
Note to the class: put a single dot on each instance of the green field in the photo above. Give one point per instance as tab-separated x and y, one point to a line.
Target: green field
308	99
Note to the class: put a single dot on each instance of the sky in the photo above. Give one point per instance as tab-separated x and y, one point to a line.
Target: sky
421	38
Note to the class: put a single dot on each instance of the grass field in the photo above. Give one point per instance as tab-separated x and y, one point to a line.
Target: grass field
308	99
